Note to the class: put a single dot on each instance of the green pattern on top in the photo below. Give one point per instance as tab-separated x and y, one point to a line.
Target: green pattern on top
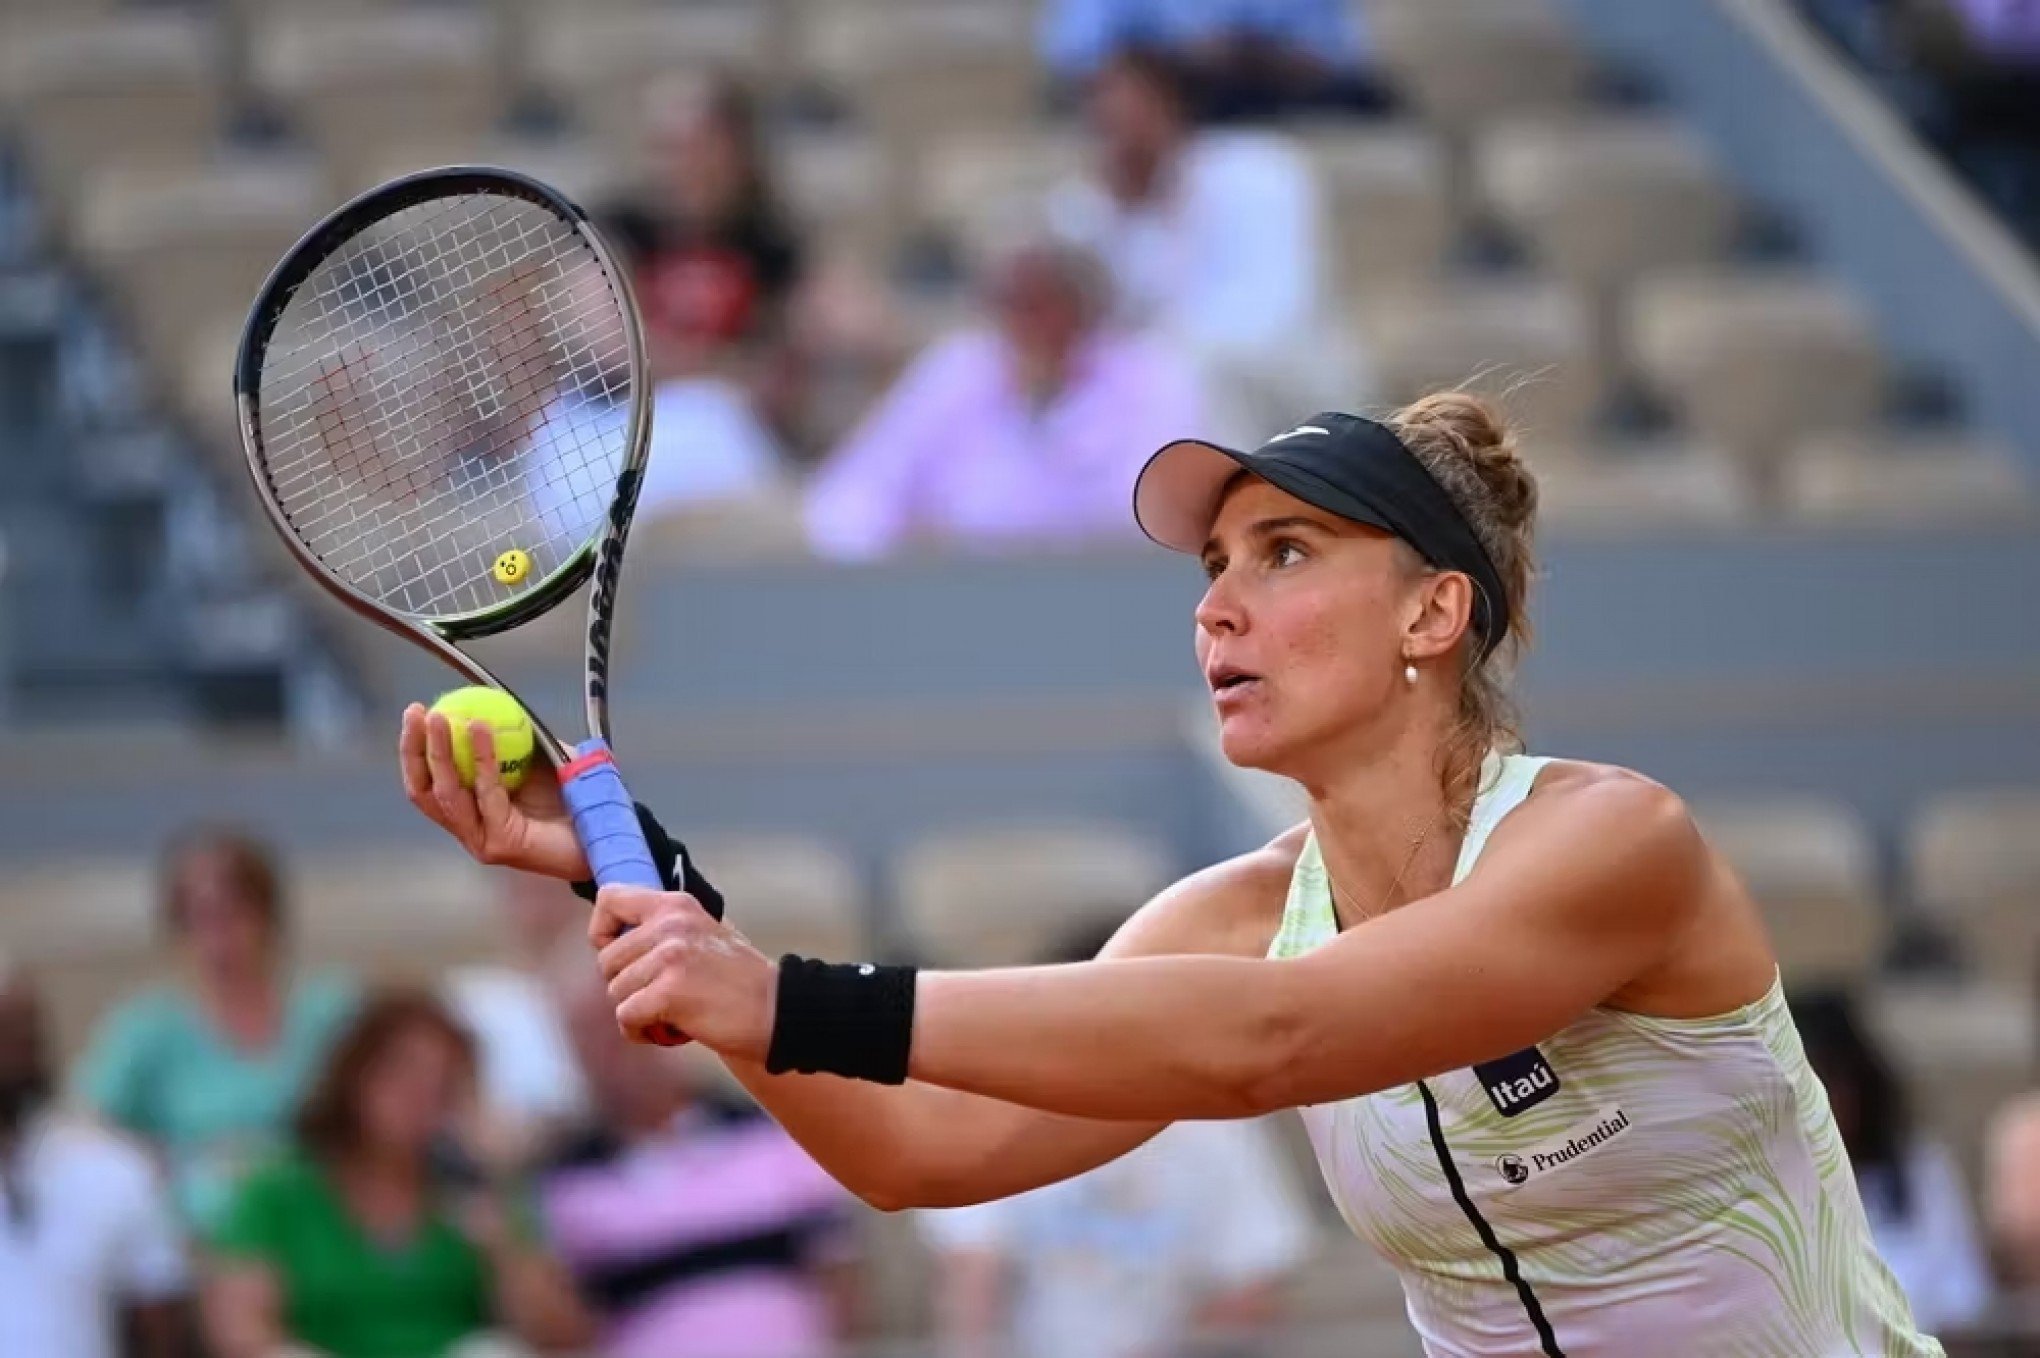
1719	1215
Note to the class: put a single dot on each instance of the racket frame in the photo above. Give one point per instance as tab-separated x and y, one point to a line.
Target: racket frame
600	557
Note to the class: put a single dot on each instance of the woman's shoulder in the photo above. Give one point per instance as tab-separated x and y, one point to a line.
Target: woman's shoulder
153	1012
1232	907
1600	797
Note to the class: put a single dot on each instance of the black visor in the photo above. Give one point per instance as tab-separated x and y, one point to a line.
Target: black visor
1343	464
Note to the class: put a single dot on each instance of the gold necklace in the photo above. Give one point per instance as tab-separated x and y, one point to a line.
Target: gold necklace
1416	847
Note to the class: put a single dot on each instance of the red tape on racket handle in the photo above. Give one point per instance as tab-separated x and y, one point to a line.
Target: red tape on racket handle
606	821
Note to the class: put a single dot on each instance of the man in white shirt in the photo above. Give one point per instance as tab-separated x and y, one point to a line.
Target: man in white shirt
531	1083
1191	1235
88	1242
1216	240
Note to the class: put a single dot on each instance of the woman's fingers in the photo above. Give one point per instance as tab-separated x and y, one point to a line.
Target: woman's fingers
662	957
411	760
492	802
456	803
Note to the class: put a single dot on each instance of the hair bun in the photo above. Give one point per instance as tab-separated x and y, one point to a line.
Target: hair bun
1476	430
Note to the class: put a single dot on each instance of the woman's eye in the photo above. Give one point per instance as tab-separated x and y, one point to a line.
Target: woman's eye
1286	554
1213	568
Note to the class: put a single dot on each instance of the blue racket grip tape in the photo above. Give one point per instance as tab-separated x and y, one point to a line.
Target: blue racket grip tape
606	819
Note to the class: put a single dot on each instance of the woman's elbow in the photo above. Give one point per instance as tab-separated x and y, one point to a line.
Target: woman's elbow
1267	1072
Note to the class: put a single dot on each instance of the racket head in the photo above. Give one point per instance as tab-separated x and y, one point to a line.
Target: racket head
447	369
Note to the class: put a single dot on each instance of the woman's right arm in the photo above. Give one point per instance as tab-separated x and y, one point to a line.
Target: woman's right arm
917	1145
243	1311
901	1146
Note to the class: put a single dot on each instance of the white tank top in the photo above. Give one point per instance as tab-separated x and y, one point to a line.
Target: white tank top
1628	1186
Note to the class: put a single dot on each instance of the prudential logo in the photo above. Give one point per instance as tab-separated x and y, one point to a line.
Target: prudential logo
1583	1138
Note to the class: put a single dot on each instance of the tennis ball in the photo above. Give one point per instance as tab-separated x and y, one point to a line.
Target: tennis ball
512	567
509	723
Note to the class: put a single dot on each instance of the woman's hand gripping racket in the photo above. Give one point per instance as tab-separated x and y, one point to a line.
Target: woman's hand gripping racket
443	400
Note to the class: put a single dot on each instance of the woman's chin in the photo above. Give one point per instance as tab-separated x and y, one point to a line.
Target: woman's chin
1247	745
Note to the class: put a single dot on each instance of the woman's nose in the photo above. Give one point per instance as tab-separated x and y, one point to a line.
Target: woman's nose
1219	613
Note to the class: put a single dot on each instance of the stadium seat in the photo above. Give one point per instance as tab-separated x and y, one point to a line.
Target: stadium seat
601	65
1640	489
186	251
1001	896
1812	868
762	527
1386	195
1600	199
398	914
920	69
1962	1051
87	932
357	82
1974	864
1756	359
1465	62
577	166
1881	478
788	893
1523	341
117	92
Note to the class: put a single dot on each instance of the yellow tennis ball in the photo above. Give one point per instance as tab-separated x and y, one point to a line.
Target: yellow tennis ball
512	567
509	722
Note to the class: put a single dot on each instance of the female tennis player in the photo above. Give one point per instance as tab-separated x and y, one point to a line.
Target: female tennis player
1532	1021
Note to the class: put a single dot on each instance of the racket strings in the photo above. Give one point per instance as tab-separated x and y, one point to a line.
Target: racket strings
451	383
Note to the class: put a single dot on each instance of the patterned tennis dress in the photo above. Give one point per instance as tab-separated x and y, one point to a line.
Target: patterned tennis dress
1629	1186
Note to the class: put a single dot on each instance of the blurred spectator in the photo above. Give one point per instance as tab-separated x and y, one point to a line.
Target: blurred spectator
1912	1191
695	1226
1215	239
2012	1195
209	1069
379	1235
1250	58
89	1245
1191	1235
531	1084
1026	432
717	266
715	259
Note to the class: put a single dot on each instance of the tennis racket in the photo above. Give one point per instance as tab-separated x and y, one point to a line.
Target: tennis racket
442	397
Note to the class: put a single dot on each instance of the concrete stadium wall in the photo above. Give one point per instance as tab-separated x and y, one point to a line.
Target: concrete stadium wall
870	705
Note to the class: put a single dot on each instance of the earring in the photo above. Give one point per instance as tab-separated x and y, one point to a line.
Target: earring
1409	674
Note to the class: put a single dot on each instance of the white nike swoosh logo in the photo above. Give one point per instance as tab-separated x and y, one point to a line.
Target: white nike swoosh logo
1301	429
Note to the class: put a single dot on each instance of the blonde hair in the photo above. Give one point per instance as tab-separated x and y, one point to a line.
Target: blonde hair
1471	452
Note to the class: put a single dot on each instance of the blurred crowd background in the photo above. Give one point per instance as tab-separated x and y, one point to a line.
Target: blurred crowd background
924	282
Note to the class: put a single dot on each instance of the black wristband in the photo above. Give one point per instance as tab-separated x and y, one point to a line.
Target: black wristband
853	1021
676	867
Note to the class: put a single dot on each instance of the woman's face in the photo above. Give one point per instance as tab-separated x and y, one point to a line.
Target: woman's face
1299	634
411	1091
704	162
225	931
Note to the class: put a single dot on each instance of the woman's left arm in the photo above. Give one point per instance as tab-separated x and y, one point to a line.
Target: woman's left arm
1579	893
533	1295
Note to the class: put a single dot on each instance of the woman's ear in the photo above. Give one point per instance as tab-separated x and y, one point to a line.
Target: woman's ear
1444	612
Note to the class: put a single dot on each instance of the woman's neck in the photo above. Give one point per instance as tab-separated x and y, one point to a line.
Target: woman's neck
1383	828
247	1006
384	1191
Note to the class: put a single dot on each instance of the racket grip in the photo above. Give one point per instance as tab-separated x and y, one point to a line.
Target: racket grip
606	821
